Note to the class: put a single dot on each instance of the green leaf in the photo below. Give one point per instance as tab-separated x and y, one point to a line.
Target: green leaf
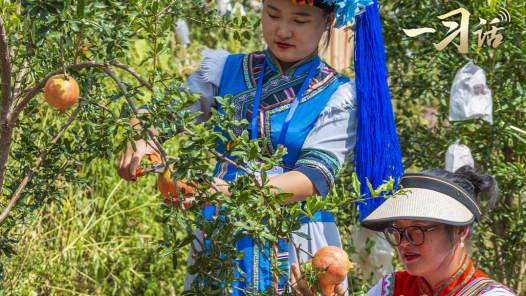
269	236
371	189
302	235
230	278
243	197
116	97
166	252
106	28
519	138
27	9
59	4
256	24
253	152
492	4
239	237
247	35
43	31
44	15
264	175
81	5
73	26
186	241
201	167
356	183
285	195
261	200
241	255
167	23
245	136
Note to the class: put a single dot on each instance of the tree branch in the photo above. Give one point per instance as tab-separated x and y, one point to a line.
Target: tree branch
62	56
77	45
152	136
298	249
21	93
132	72
6	134
5	64
219	281
270	261
39	160
98	105
121	87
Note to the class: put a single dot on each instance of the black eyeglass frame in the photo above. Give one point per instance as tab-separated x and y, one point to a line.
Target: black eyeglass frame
392	243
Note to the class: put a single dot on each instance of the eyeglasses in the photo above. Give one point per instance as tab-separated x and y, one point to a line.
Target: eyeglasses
414	234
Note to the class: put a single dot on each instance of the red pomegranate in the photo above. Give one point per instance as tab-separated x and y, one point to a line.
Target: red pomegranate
339	265
60	92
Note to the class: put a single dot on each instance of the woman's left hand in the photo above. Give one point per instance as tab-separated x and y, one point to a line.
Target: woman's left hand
301	285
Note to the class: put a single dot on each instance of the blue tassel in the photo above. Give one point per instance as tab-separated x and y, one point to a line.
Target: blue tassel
377	155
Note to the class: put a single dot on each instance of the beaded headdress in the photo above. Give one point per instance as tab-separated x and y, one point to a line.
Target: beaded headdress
377	155
346	11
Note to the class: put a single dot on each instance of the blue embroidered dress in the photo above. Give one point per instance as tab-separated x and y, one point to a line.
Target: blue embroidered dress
320	138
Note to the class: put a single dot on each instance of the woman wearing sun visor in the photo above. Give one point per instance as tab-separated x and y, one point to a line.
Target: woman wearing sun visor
431	228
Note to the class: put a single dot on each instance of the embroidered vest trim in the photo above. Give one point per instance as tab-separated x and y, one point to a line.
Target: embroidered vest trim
467	281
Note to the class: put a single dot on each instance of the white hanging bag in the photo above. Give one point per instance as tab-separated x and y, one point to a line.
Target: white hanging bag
373	253
458	156
183	32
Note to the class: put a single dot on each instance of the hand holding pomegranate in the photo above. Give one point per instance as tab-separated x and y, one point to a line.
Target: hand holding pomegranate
167	186
330	281
302	286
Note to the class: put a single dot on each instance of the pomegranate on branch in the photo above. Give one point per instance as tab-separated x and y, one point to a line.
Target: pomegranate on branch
61	92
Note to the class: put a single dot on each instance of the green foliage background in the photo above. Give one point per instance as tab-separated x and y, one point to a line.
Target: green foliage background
101	242
424	77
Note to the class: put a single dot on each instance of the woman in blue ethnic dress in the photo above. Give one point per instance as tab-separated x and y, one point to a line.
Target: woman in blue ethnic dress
292	98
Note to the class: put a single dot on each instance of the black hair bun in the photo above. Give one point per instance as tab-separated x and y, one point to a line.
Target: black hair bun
483	183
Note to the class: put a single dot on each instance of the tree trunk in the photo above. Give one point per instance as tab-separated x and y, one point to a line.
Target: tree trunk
6	132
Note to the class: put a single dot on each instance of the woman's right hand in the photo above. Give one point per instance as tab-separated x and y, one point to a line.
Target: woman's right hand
129	161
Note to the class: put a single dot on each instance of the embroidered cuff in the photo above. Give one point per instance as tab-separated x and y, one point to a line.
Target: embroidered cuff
317	178
329	166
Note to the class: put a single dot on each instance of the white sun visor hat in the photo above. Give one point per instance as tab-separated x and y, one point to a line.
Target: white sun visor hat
429	198
470	95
